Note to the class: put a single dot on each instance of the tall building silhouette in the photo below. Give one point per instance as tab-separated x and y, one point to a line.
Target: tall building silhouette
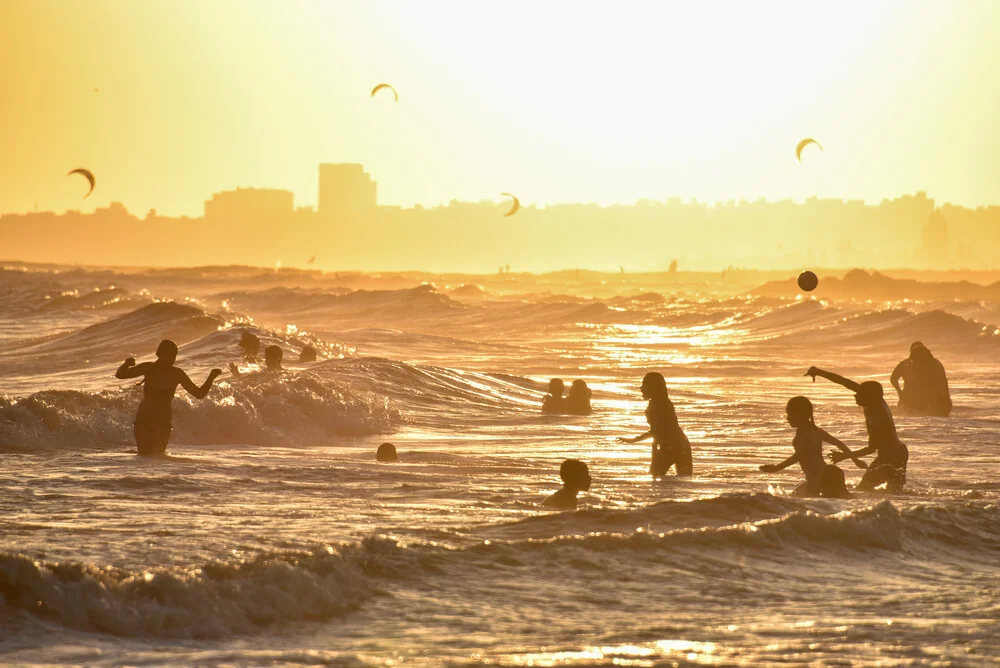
345	189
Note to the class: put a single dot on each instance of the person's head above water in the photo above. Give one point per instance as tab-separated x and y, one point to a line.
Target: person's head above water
166	352
386	453
654	386
869	394
575	475
557	387
915	345
272	357
308	354
920	354
800	411
249	343
579	389
833	485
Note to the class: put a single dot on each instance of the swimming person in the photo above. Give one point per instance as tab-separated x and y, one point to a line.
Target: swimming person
670	446
272	361
386	453
250	345
307	354
891	454
554	402
925	383
576	478
578	399
808	446
160	381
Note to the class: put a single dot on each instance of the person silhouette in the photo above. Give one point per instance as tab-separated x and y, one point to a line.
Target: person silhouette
833	484
308	354
554	402
272	361
160	380
386	453
925	389
576	478
670	445
578	399
250	345
891	455
808	446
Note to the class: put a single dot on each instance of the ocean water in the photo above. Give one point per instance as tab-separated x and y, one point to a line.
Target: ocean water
272	537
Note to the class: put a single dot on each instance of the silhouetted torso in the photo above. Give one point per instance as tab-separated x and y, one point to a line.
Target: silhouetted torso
882	431
551	404
808	446
670	444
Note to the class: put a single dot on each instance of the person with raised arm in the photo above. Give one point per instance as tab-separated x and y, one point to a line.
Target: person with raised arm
891	455
160	380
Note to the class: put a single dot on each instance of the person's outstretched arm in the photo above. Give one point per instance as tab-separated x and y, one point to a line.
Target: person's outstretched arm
643	437
840	380
841	456
194	390
840	444
129	369
771	468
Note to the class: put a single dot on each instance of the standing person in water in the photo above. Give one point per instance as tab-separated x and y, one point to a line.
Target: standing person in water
554	401
808	446
160	381
578	399
891	454
925	383
670	446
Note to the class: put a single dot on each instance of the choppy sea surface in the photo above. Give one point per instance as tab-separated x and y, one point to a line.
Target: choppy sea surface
272	537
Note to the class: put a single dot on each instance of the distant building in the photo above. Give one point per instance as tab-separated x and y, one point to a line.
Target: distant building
933	249
249	204
345	189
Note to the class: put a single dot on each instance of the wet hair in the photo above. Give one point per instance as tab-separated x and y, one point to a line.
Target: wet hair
250	343
915	345
166	349
870	390
308	354
273	355
386	453
557	387
574	472
656	383
832	483
800	406
579	387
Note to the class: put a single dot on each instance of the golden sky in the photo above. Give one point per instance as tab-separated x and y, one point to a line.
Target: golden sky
555	101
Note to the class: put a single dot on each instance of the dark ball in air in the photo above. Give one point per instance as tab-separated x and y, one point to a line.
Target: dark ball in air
808	281
386	453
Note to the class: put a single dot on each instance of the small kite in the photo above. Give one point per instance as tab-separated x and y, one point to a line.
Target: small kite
379	87
85	173
515	207
802	144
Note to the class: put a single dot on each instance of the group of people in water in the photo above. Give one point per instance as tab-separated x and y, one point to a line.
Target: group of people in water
160	378
577	402
925	390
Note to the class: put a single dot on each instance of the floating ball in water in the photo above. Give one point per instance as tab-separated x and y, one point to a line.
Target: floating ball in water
808	281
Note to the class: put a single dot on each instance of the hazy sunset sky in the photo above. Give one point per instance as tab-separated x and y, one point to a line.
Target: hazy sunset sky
554	101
